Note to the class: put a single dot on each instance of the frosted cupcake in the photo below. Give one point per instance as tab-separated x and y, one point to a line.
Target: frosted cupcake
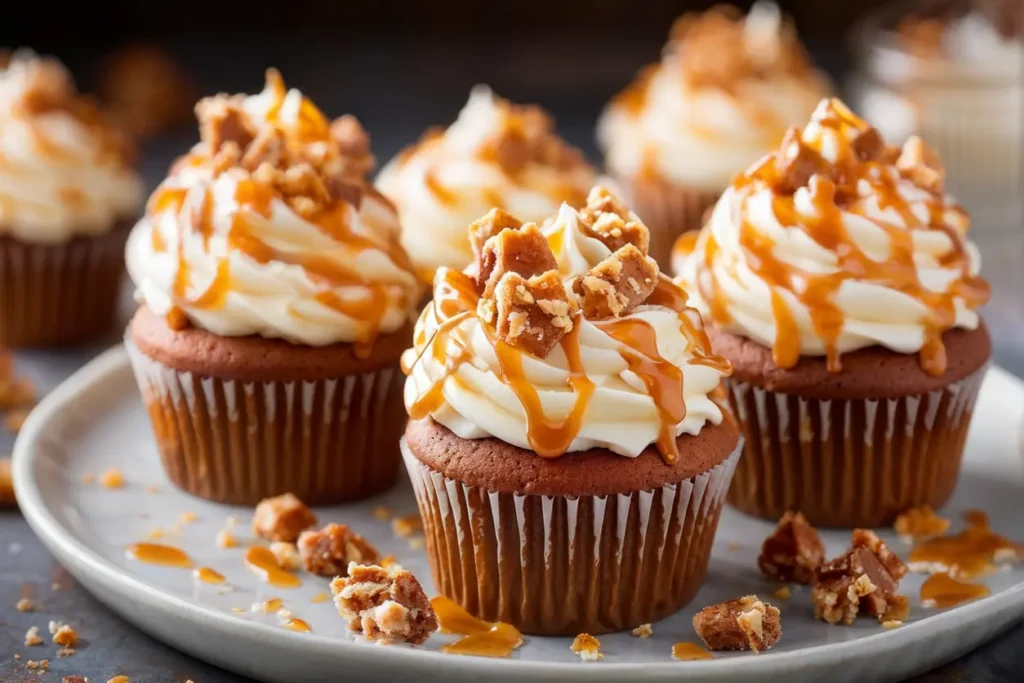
837	277
564	442
276	303
68	197
496	154
723	94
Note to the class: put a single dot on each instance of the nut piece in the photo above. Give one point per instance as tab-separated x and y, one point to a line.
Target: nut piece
793	552
921	165
532	315
795	163
524	251
490	225
384	604
587	647
282	518
287	555
869	144
329	551
643	631
222	120
354	145
920	522
6	484
617	285
742	624
862	580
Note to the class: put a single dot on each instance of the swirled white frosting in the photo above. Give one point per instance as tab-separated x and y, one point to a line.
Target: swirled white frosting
236	266
887	206
444	183
698	135
60	175
621	415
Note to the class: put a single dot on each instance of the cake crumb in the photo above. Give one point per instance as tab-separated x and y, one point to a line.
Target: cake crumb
226	539
383	513
793	552
587	647
282	518
238	610
231	522
733	546
891	624
188	517
643	631
65	636
155	534
32	637
920	523
417	542
742	624
387	605
25	605
406	526
287	555
329	551
783	593
88	478
112	478
65	652
41	665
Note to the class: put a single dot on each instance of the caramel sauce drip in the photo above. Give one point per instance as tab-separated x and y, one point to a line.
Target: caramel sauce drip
455	299
159	554
480	638
263	562
441	193
943	591
208	575
319	598
817	291
273	605
688	652
969	554
298	625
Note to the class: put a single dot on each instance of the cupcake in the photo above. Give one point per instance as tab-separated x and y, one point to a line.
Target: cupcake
496	154
275	306
565	444
68	198
837	278
953	73
725	91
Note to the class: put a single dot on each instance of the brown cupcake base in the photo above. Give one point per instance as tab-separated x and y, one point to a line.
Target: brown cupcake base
227	436
668	210
60	294
853	449
567	564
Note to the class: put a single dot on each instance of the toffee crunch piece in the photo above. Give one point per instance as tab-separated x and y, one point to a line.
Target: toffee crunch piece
920	163
329	551
617	285
534	314
487	227
388	605
221	121
746	623
523	251
607	219
282	518
794	551
795	163
862	580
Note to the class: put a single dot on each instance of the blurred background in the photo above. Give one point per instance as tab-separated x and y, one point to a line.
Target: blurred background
403	66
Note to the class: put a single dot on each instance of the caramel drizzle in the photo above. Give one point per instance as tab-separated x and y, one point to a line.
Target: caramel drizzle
969	554
480	638
455	299
817	291
159	554
262	561
208	575
943	591
687	652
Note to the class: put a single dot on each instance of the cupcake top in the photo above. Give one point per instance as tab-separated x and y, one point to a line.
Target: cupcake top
496	154
724	92
269	227
63	170
835	242
563	338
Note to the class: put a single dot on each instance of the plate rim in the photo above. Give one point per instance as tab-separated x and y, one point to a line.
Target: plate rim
77	557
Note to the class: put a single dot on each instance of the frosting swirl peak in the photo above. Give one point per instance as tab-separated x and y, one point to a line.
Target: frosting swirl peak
835	242
268	226
563	339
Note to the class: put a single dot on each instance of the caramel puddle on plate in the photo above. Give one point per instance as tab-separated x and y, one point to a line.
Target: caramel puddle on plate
942	591
298	625
973	552
688	652
480	638
208	575
262	561
159	554
272	605
319	597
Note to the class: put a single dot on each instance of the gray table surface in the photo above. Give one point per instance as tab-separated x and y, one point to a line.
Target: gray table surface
113	647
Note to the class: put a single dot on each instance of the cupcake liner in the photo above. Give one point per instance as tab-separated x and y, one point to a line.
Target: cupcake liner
54	294
561	565
327	441
845	462
668	211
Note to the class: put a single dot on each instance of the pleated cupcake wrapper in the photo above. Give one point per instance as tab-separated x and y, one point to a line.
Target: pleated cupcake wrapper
327	441
849	463
668	211
560	565
54	294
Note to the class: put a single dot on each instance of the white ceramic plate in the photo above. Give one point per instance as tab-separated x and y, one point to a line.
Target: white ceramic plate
96	420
